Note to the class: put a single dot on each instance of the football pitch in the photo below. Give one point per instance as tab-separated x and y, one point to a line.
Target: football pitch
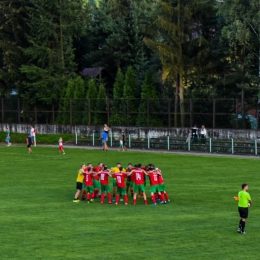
38	219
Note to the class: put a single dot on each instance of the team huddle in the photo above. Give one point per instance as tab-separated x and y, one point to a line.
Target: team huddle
94	181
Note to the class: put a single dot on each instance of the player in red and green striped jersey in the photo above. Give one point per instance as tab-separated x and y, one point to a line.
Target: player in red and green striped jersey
162	186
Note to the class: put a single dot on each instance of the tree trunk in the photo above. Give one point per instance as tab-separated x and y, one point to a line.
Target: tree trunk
182	107
176	102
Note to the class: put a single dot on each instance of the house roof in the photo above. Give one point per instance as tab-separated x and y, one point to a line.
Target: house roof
91	72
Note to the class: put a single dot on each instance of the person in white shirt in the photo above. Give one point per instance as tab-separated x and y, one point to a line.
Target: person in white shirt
32	134
203	134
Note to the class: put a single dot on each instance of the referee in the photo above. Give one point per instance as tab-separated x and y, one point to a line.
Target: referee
244	201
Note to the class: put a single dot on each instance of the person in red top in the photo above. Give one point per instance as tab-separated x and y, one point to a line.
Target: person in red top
104	174
96	179
121	186
154	183
88	180
130	180
139	178
162	186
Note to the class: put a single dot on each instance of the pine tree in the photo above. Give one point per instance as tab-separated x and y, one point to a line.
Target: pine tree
101	106
118	102
150	100
13	30
90	103
52	26
131	96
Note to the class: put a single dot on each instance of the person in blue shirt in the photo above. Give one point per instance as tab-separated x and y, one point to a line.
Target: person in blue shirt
104	140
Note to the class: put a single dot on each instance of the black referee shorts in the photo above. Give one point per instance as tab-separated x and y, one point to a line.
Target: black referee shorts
243	212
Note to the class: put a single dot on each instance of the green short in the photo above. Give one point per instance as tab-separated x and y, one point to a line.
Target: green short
162	187
121	191
89	189
105	188
114	183
96	184
129	184
154	188
138	188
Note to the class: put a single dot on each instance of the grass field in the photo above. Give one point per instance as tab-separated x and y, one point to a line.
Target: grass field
39	221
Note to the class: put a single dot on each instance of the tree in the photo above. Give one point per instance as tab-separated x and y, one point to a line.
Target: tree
180	26
72	100
13	30
149	102
131	96
101	106
91	101
52	26
118	102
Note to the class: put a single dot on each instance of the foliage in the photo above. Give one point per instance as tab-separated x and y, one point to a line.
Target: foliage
101	106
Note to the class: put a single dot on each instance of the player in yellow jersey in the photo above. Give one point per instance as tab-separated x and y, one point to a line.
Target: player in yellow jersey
244	201
79	182
114	170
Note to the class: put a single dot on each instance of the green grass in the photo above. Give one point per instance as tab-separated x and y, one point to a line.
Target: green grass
40	138
39	221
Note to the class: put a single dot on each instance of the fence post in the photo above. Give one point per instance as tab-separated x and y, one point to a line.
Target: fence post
255	147
236	113
191	112
129	141
189	144
214	114
108	110
168	142
232	145
148	112
111	138
76	137
148	140
19	113
3	113
53	113
169	112
89	112
210	145
93	141
35	113
70	111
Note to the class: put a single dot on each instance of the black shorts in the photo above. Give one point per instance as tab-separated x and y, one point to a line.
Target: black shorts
28	145
79	185
243	212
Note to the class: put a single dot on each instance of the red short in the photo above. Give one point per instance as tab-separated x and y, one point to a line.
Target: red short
60	147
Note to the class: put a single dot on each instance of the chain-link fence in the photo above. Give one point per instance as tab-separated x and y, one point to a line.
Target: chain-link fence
214	113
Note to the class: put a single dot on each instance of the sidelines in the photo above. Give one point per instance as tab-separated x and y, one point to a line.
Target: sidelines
149	151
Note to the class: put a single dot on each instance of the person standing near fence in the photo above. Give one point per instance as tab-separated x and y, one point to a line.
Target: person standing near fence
203	134
123	139
195	134
7	137
61	149
106	129
104	140
32	134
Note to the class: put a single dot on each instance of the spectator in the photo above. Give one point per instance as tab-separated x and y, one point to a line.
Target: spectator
32	134
203	134
195	134
7	138
189	136
123	139
104	141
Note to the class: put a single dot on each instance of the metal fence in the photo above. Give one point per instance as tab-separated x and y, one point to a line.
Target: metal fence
214	113
208	145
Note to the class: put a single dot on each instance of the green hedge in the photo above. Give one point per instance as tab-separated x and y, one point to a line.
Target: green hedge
40	138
